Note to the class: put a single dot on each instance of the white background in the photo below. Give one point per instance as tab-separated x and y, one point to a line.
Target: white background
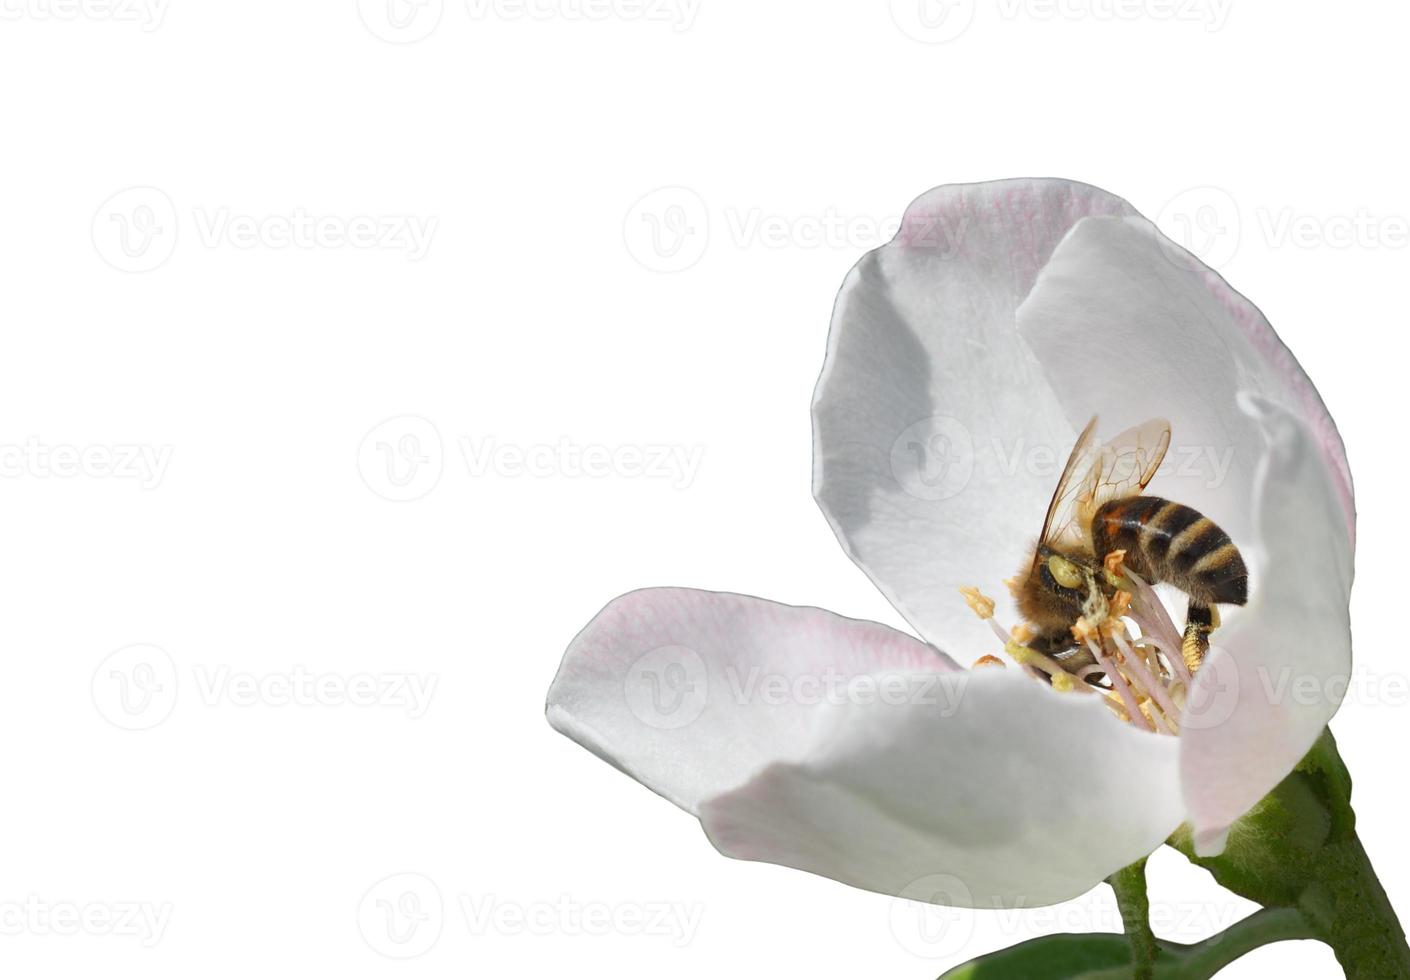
252	363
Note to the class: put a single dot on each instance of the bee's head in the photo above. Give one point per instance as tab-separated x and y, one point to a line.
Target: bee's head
1057	588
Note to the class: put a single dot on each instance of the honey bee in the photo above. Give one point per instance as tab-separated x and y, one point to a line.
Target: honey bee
1098	508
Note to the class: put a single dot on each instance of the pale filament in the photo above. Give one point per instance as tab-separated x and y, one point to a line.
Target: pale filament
1133	707
1148	612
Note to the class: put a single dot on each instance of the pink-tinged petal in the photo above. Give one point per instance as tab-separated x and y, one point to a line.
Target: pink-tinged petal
1279	673
937	439
1006	791
691	693
1128	326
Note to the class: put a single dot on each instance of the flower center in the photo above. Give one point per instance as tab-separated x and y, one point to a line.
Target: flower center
1136	664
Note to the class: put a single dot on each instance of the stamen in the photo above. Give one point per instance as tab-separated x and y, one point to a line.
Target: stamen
1150	615
982	605
1120	605
1139	681
1113	563
1117	708
1133	710
1152	714
1153	686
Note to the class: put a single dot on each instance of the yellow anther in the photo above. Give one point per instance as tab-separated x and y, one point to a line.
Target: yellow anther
1082	631
1020	653
982	605
1115	571
1120	604
1113	560
989	660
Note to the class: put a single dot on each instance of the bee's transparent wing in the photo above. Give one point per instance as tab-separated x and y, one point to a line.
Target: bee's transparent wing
1123	467
1061	522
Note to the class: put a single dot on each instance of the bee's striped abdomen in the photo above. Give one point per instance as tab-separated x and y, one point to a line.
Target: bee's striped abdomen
1169	542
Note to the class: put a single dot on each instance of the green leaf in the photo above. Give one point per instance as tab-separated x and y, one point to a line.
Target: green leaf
1062	957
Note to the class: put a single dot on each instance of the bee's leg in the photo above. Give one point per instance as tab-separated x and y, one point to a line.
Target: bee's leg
1200	621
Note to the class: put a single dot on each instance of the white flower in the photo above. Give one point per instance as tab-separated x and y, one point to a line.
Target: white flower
964	357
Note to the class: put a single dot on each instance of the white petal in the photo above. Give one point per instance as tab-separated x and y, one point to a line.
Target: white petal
1128	326
1010	793
935	431
1279	673
693	692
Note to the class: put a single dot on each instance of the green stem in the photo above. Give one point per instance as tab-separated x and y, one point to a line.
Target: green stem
1344	898
1129	884
1265	926
1203	960
1354	915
